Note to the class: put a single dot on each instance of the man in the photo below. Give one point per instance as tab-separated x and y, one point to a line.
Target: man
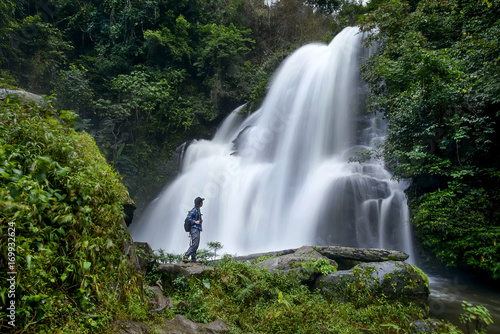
194	217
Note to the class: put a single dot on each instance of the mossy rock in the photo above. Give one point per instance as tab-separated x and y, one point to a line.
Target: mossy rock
299	264
373	282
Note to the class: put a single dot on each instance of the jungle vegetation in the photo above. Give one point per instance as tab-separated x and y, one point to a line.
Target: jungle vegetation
436	76
142	76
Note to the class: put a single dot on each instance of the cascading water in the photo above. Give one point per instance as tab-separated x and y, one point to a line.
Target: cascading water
281	178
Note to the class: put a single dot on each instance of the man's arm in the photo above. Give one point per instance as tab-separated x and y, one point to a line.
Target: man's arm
191	217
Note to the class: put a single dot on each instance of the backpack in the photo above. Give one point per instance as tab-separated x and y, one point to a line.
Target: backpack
187	223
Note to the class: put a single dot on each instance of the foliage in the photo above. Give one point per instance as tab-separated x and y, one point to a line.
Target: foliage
74	91
469	238
215	246
250	299
145	76
476	318
320	265
436	77
65	204
31	48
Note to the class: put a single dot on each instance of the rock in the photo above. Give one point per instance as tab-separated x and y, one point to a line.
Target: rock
345	257
365	282
427	326
185	269
130	253
361	254
130	327
291	263
158	303
24	96
217	326
144	253
252	257
181	325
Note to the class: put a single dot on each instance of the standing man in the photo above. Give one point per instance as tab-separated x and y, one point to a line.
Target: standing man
194	217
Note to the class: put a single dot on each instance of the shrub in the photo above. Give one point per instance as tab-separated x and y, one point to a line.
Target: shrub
65	204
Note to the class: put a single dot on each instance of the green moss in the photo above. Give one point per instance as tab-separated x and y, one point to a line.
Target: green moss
264	258
422	274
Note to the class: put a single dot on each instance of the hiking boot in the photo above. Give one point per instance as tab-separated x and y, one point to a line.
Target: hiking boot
194	261
185	259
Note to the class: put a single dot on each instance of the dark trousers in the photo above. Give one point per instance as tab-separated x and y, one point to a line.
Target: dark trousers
195	242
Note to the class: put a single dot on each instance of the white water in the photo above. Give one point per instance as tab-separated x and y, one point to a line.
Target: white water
286	182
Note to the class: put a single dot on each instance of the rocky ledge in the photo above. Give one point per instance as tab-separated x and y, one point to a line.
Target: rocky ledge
359	275
378	271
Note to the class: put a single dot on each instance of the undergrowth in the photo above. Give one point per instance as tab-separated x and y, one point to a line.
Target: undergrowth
252	300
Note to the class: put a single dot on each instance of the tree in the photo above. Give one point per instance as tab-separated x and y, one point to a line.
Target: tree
436	77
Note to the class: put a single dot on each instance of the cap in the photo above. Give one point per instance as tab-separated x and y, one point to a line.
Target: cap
198	201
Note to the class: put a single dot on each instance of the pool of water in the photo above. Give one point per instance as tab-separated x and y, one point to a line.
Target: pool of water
450	287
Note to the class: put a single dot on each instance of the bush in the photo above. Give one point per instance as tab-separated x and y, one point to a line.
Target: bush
65	204
469	238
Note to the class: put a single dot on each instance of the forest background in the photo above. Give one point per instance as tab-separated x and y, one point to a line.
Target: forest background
145	76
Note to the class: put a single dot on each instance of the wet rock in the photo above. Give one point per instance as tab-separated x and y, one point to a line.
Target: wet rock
185	269
367	281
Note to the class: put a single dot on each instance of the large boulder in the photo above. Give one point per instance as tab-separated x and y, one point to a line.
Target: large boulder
366	282
296	263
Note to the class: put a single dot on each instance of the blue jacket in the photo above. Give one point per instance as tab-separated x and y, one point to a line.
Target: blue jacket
194	215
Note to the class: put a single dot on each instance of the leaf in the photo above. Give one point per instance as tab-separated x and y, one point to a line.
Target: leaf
86	265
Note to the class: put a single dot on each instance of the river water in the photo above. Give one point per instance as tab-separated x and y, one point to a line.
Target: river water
449	287
283	177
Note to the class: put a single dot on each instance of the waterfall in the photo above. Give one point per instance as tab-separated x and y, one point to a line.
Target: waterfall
281	177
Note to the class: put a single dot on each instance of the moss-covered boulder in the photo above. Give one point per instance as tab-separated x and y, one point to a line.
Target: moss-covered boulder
305	263
392	280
